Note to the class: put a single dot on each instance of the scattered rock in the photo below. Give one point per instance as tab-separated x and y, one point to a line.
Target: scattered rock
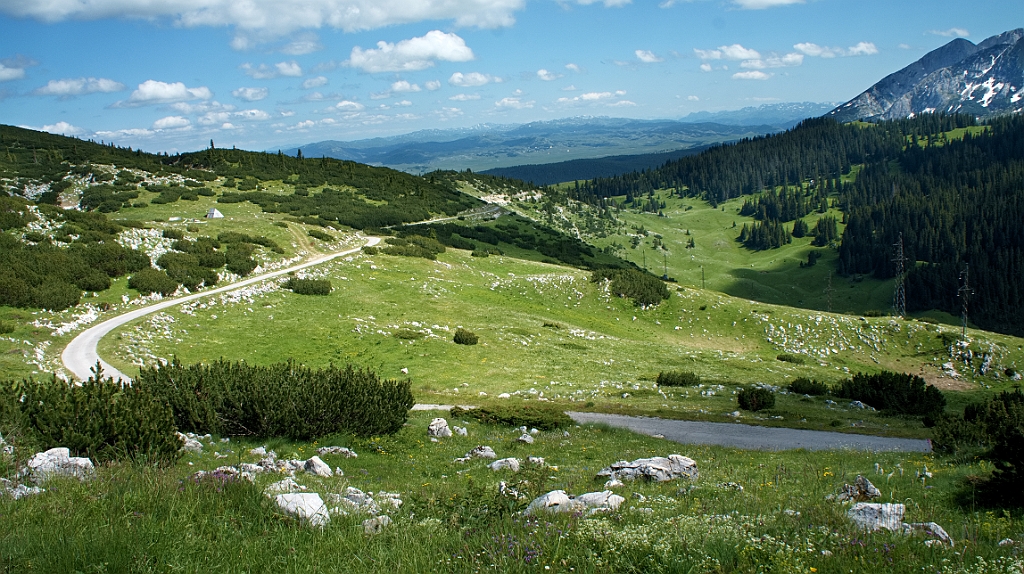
554	501
318	467
461	431
307	506
614	483
860	491
482	452
731	486
338	450
875	516
258	451
857	405
525	438
1006	542
438	428
376	524
6	449
190	444
534	432
17	491
509	463
405	371
57	462
658	469
932	529
605	501
536	460
504	396
283	486
791	512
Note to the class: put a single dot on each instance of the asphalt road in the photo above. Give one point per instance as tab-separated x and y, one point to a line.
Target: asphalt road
80	355
752	437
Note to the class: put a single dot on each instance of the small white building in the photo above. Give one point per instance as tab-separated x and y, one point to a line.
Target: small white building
214	213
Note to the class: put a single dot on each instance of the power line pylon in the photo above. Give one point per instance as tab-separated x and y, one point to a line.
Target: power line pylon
964	293
899	298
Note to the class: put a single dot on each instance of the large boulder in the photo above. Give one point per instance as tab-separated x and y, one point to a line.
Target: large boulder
657	469
876	516
307	506
438	428
58	462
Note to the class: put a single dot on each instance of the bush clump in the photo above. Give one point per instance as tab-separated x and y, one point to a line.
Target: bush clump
545	419
643	288
756	399
309	286
464	337
321	235
414	246
151	280
678	379
805	386
790	358
100	418
894	393
279	400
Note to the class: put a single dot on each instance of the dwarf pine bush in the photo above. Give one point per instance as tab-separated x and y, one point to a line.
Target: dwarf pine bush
678	379
545	419
755	399
805	386
309	286
464	337
897	393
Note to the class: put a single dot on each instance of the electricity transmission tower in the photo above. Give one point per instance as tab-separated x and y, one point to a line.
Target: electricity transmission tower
828	291
964	293
899	299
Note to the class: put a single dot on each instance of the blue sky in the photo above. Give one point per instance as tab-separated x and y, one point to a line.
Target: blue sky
170	75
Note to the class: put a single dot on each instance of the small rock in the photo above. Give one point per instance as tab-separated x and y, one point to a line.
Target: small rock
17	491
791	512
58	462
658	469
536	460
731	486
505	463
554	501
600	501
338	450
190	444
534	432
482	452
405	371
860	491
875	516
258	451
283	486
1006	542
565	434
504	396
525	439
614	483
930	529
461	431
439	428
318	467
376	524
307	506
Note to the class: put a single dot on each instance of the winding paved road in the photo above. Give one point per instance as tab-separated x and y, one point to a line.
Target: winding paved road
752	437
80	356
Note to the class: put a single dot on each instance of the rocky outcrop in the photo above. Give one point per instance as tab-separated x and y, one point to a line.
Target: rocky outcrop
656	469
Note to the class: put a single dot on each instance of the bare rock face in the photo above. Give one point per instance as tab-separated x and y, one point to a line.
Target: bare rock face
58	462
307	506
860	491
875	516
657	469
438	428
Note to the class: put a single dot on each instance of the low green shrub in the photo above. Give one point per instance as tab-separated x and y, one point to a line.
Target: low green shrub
790	358
678	379
370	250
642	288
100	418
321	235
151	280
755	399
464	337
279	400
540	418
413	246
805	386
173	234
309	286
894	393
7	327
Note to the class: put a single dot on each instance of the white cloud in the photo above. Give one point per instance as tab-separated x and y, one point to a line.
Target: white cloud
201	107
211	118
774	62
903	46
7	74
156	92
572	68
951	33
63	128
251	94
607	3
762	4
752	75
647	56
471	80
171	123
412	54
78	86
705	67
513	103
403	104
816	51
349	106
622	104
265	72
547	76
131	132
314	82
404	86
464	97
570	88
432	85
593	97
258	20
733	52
252	115
303	44
692	98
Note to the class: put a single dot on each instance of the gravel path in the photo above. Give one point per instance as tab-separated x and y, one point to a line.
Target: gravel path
752	437
80	355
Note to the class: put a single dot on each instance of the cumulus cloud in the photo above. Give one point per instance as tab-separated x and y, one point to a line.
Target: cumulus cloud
349	106
412	54
432	85
513	104
733	52
314	82
171	123
762	4
63	128
774	62
251	94
572	68
303	44
78	86
647	56
464	97
14	68
816	51
252	115
404	86
471	80
692	98
156	92
705	67
607	3
7	73
752	75
951	33
256	20
265	72
547	76
591	97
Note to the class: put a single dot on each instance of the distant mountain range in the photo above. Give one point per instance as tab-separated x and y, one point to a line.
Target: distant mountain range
784	115
984	79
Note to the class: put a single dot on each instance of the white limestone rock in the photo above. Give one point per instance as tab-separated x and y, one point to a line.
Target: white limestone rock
337	450
190	444
860	491
605	501
931	529
525	438
376	524
307	506
657	469
482	452
318	467
876	516
58	462
461	431
505	463
283	486
554	501
17	491
438	428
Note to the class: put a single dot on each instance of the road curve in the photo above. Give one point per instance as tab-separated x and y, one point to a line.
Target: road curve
80	356
752	437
